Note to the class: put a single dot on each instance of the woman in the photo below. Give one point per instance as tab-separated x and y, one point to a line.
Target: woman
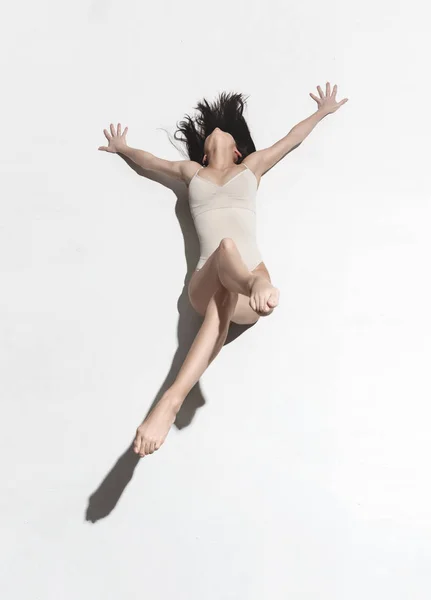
231	283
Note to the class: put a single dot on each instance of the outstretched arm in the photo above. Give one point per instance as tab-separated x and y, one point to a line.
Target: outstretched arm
263	160
177	169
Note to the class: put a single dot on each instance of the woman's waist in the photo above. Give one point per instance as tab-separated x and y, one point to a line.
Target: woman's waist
226	212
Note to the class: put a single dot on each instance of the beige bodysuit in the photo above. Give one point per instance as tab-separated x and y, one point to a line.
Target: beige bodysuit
226	211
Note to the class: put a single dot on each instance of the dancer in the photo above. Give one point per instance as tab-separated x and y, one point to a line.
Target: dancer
231	282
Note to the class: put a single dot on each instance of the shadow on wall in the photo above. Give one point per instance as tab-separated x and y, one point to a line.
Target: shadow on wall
104	499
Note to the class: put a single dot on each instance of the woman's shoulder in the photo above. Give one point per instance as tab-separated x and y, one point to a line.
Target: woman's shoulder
190	168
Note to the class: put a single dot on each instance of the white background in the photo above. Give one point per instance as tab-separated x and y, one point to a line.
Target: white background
298	468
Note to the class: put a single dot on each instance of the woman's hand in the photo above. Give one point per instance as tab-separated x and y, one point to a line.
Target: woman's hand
117	140
327	102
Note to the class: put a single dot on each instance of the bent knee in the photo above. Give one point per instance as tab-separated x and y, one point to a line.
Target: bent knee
227	244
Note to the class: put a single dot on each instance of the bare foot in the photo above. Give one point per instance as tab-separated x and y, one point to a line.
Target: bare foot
263	295
151	434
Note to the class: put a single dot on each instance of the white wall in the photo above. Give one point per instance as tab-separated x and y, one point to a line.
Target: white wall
299	468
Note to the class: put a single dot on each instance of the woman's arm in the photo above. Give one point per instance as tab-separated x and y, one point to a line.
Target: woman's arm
177	169
263	160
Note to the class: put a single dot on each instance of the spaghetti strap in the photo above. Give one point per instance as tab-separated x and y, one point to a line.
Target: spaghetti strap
243	163
195	174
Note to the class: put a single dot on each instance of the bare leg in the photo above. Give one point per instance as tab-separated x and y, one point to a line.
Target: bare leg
235	276
207	344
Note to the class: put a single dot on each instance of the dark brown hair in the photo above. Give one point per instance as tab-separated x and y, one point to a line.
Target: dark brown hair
227	113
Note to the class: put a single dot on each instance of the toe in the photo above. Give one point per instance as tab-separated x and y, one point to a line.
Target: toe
142	448
273	299
137	443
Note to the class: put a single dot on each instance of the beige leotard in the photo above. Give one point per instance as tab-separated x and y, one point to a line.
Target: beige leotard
226	211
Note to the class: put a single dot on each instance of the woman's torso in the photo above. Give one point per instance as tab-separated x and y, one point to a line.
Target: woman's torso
227	210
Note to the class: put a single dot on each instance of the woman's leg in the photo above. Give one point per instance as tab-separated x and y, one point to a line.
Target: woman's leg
207	344
226	267
232	270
